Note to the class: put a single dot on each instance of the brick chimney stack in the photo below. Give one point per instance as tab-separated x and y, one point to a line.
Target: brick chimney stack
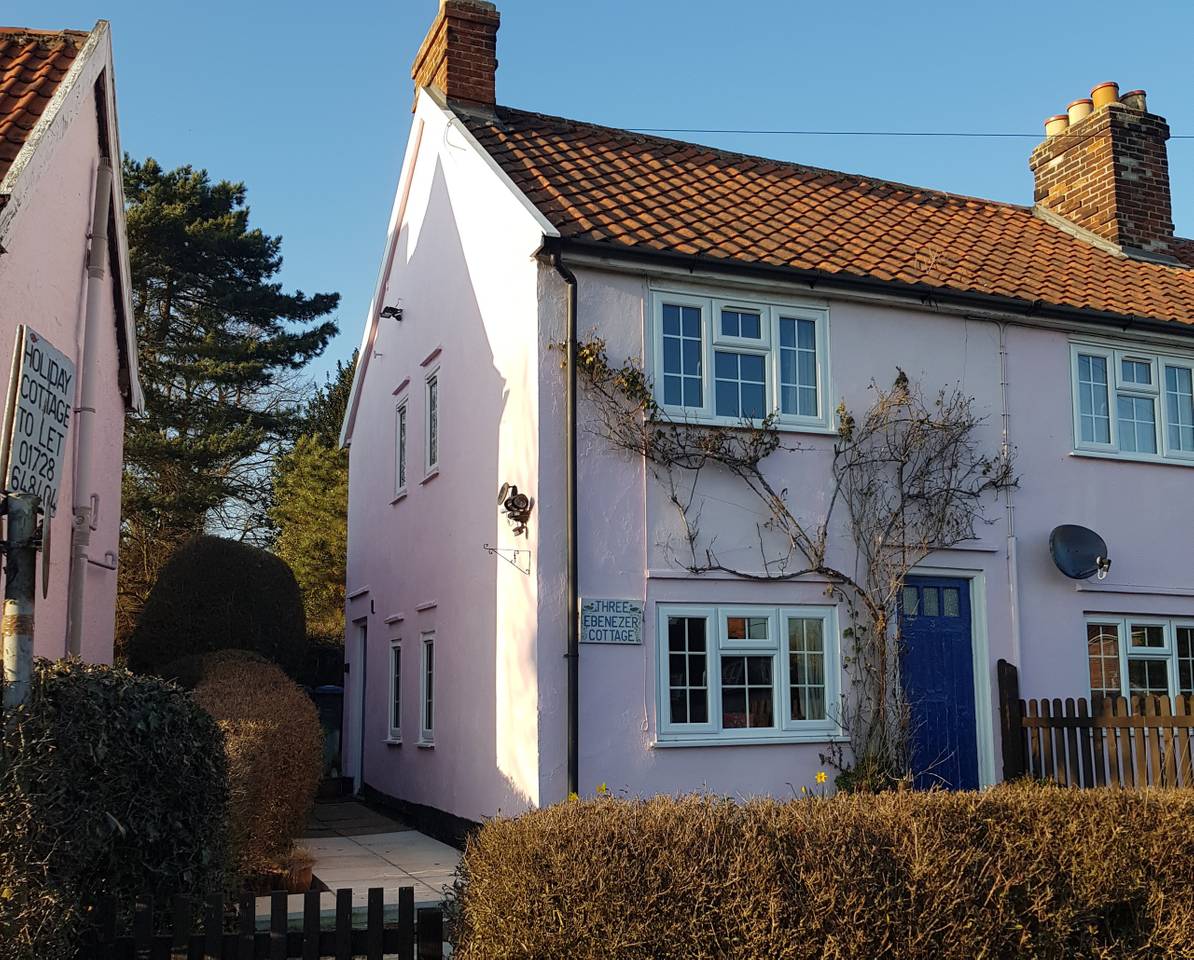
458	58
1104	168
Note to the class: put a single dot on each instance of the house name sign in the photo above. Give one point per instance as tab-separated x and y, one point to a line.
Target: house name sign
611	621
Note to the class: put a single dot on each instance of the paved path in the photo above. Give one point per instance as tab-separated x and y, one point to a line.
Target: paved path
360	848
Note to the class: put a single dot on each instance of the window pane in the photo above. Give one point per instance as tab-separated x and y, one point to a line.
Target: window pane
1137	419
740	384
1102	646
428	685
798	366
747	699
688	684
1134	371
951	601
1148	678
396	706
401	446
1092	399
1151	635
741	323
433	421
932	602
1179	402
1185	660
806	668
682	348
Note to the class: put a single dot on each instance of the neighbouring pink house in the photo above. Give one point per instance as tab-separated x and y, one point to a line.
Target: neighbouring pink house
64	271
743	285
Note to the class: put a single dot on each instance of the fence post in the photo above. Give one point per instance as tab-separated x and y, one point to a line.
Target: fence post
1011	727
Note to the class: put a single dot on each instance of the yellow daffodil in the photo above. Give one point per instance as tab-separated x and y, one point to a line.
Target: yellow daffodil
822	776
602	788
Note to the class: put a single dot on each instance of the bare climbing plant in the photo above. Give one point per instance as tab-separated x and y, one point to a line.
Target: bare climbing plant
909	475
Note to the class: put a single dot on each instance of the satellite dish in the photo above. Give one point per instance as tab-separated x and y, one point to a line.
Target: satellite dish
1079	552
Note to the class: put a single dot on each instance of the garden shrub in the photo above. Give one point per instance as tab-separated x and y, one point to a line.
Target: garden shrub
216	594
274	744
110	783
1014	872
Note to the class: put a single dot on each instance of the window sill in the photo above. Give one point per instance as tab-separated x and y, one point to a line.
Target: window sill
1154	458
399	497
393	741
818	429
426	744
787	737
431	475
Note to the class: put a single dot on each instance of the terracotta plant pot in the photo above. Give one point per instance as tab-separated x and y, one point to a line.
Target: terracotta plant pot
298	880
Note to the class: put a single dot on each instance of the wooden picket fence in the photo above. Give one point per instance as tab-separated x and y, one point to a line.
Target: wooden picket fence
202	931
1147	741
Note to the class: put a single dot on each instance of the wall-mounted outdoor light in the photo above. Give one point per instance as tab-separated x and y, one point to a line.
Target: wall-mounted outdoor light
517	507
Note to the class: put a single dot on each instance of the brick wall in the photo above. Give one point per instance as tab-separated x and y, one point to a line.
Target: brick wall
1109	174
459	55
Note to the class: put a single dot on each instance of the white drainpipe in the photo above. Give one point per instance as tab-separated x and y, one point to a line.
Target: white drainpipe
86	503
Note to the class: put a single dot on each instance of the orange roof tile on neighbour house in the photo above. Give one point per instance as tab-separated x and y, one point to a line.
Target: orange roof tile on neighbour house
32	65
630	192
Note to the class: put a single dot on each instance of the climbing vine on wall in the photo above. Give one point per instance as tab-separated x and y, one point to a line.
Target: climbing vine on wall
907	477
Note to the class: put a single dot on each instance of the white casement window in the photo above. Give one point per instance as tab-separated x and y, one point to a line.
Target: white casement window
1139	656
400	427
431	435
734	674
427	691
727	361
396	691
1134	404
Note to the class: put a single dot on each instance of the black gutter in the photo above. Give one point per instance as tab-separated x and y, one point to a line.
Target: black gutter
572	656
819	279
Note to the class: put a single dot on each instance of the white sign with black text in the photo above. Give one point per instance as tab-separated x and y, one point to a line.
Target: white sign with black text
611	621
37	418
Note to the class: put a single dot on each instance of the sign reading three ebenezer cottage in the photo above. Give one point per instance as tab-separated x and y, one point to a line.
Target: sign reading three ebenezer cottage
611	621
37	418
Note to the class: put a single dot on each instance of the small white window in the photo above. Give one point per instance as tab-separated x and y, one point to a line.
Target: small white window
400	421
1179	407
427	691
740	674
396	691
431	405
725	361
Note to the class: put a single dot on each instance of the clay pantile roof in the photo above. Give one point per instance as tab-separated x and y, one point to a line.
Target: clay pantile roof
32	65
631	191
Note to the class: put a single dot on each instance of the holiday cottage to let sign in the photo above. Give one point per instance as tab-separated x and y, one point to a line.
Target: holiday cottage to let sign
37	418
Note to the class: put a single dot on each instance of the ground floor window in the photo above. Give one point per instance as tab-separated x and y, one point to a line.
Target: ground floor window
738	673
427	691
1139	656
396	690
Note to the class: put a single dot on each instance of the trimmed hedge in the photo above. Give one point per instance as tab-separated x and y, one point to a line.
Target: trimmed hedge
109	783
1014	872
274	743
217	594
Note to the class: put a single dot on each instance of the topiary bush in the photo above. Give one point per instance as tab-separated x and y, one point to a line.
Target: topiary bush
274	744
110	783
1014	872
216	594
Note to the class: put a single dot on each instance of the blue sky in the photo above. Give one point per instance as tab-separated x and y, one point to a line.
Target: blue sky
309	103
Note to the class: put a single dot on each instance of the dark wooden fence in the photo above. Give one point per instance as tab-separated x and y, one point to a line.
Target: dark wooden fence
1147	741
211	932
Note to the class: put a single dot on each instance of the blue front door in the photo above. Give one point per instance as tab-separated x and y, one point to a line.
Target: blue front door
937	667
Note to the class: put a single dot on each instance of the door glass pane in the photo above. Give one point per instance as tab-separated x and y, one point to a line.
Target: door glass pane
932	602
951	601
911	601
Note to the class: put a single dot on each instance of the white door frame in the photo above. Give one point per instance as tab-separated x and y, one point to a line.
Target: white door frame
984	721
355	701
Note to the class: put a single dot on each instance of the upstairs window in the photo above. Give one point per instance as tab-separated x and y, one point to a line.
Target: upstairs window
400	448
734	361
1131	403
431	439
